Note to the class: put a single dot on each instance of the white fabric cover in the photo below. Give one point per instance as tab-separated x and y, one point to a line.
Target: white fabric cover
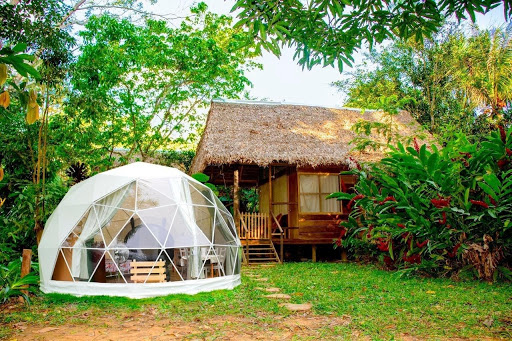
103	194
141	290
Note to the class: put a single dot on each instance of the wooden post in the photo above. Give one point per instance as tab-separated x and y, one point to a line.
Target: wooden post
25	265
270	206
344	255
313	253
236	201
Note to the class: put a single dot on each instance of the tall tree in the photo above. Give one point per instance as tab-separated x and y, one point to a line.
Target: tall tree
29	32
446	79
139	87
485	65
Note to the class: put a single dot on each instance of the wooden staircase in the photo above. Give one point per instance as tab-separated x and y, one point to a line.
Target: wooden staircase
256	237
262	252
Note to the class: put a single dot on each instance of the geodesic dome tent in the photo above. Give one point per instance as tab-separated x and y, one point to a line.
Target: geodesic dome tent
139	230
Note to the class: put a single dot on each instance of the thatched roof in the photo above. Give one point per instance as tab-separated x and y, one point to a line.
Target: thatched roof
261	133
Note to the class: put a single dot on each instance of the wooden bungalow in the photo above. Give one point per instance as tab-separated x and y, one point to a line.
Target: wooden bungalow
293	154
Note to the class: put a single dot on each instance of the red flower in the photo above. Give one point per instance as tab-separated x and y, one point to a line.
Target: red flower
503	134
390	198
382	244
355	161
338	242
443	221
422	244
388	261
441	202
416	146
502	163
509	152
368	234
491	199
479	203
343	186
343	232
351	202
406	235
454	251
468	155
414	259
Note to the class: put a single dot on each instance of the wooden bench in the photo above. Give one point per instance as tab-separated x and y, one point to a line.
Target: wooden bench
147	272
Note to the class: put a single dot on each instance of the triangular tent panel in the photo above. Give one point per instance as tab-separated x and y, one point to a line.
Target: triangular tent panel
139	230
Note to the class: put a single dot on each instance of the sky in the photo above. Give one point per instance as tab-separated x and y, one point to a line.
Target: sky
282	79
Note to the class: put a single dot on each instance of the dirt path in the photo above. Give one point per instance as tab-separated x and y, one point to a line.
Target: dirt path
144	327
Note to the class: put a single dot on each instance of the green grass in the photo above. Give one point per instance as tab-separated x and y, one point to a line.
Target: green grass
379	304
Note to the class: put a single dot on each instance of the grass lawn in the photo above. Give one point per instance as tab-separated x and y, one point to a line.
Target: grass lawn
349	302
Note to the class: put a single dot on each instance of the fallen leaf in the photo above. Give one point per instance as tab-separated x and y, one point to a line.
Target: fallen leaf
430	292
488	322
47	329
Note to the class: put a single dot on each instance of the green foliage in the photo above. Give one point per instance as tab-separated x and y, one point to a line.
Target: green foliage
444	80
11	283
15	57
144	88
19	213
177	158
201	177
330	32
385	128
421	208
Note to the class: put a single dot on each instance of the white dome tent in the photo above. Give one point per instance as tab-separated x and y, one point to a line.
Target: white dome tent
139	230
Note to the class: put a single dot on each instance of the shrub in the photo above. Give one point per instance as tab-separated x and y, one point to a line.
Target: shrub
435	210
11	283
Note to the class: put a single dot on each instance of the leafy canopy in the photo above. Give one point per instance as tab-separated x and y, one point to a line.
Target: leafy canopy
329	32
139	88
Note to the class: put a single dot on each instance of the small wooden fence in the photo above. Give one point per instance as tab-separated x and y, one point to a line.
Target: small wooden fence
257	226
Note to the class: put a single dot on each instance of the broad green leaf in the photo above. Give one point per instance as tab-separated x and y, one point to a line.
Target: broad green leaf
201	177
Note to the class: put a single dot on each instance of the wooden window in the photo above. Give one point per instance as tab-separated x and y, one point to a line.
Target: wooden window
313	190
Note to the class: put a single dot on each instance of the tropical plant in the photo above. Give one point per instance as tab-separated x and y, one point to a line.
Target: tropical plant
13	285
432	210
485	64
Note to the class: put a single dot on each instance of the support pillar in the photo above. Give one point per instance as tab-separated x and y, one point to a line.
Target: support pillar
236	201
344	258
313	253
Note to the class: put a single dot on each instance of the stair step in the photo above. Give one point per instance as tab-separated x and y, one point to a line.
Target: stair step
261	254
262	259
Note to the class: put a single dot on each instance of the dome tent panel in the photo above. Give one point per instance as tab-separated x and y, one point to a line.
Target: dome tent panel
148	197
222	234
200	195
109	235
168	186
113	228
62	270
159	221
184	231
75	233
229	223
122	198
136	235
204	219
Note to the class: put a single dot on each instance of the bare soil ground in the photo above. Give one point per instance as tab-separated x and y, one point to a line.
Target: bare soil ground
146	326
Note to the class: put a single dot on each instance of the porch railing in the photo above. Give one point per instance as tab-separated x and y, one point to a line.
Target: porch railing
257	224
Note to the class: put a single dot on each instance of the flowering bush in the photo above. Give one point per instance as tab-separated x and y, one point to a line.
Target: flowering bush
436	210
